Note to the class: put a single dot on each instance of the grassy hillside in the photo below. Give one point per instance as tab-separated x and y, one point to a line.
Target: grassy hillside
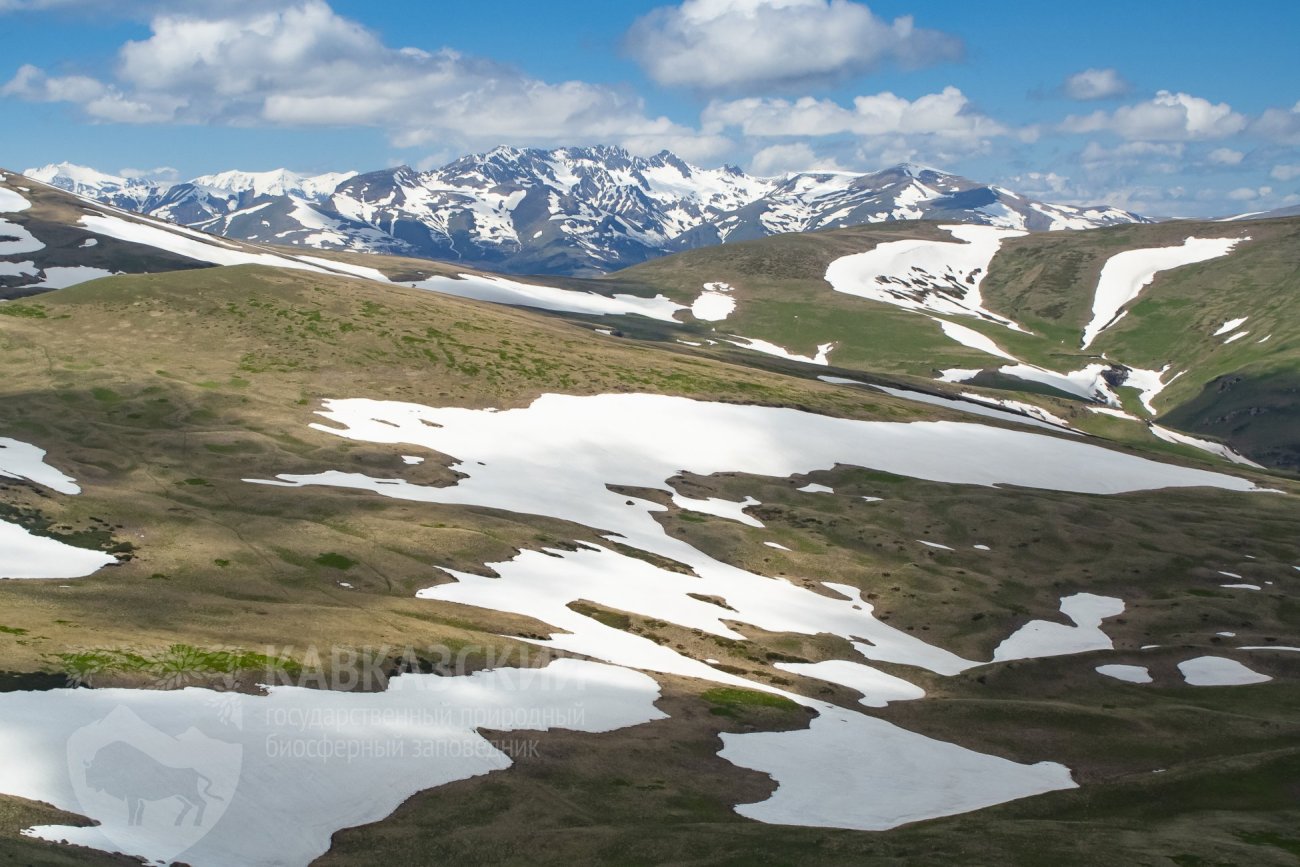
1242	393
161	393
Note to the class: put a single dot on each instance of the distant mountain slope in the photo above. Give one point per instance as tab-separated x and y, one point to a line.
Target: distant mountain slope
1200	334
567	211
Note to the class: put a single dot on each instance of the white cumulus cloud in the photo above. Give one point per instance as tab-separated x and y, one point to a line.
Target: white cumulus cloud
1167	117
728	45
1225	156
1285	172
304	65
1095	84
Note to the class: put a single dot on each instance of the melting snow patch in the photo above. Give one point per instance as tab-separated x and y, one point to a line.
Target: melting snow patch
981	547
777	545
89	242
814	488
934	545
1229	574
1273	647
20	460
340	758
822	357
502	291
412	460
1040	638
1204	445
873	499
1126	274
1241	586
1226	634
1218	671
895	776
1235	337
714	304
15	240
878	688
972	339
729	509
938	276
975	404
1229	326
187	243
24	556
11	202
1126	673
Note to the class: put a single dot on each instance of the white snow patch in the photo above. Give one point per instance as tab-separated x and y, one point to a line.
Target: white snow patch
822	357
11	202
878	688
1210	446
89	242
23	556
1241	586
729	509
1126	274
1226	634
347	268
20	460
777	545
192	245
1273	647
19	240
1229	574
894	776
1111	411
1126	673
981	547
972	339
412	460
967	406
499	290
1218	671
814	488
938	276
934	545
282	794
1229	326
1040	638
1234	338
63	277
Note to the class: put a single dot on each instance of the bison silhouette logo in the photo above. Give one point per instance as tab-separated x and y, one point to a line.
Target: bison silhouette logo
125	772
141	782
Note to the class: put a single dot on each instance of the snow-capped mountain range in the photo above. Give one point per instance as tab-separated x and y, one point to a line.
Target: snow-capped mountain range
565	211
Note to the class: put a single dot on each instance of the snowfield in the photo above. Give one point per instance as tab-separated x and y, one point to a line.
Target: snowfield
1126	274
715	303
294	766
578	447
895	777
938	276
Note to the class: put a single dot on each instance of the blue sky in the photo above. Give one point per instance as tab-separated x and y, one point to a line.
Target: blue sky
1168	108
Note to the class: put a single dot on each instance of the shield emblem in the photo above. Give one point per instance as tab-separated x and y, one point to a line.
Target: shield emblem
153	794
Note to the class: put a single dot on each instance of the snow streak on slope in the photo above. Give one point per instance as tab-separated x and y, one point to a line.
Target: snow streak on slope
1124	276
503	291
939	276
191	245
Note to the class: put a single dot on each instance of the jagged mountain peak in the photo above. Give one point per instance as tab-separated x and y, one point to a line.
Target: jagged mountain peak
569	210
